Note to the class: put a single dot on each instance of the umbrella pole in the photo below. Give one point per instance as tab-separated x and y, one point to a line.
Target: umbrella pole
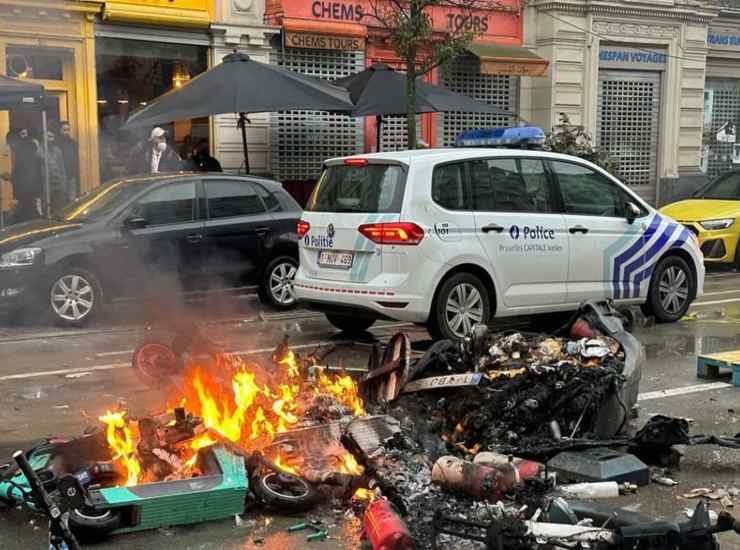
47	189
378	122
243	125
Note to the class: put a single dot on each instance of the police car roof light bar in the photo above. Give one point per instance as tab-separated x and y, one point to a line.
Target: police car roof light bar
525	137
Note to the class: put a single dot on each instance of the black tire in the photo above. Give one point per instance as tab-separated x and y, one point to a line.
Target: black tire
284	492
155	363
70	307
90	524
737	257
270	291
656	305
439	324
350	325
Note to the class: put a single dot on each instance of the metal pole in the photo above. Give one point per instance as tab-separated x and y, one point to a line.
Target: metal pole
243	125
378	123
47	189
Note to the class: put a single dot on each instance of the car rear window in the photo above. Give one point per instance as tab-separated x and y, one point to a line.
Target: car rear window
372	188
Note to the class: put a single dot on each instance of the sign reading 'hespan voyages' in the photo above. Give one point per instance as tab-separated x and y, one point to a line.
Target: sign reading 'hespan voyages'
624	57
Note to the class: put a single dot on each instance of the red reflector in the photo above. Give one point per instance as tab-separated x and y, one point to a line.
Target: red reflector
392	233
355	162
303	228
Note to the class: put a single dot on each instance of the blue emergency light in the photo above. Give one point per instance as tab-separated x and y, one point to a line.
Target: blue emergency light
526	137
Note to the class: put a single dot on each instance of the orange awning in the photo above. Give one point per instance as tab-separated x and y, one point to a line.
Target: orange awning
334	28
508	60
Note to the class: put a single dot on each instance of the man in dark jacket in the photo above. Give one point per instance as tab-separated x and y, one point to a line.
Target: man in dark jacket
201	159
156	157
27	177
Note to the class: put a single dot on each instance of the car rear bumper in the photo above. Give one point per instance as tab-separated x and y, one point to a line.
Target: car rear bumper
361	299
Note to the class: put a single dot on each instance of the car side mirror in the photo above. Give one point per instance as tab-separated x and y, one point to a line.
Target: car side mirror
632	212
134	222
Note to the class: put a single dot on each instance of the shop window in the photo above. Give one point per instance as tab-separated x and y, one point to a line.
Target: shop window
130	74
721	120
302	140
34	63
463	76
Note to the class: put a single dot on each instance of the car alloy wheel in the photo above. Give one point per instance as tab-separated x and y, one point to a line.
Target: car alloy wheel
72	297
673	289
281	284
464	308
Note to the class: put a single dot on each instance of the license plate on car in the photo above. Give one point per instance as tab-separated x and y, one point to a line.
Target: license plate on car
339	260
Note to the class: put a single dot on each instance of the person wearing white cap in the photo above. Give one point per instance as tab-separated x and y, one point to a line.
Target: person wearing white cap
156	158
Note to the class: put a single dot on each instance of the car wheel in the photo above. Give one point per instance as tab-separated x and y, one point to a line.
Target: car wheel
737	257
350	325
75	297
277	284
462	301
669	296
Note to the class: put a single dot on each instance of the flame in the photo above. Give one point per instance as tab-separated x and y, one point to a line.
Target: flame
364	494
350	465
286	467
242	403
122	441
342	388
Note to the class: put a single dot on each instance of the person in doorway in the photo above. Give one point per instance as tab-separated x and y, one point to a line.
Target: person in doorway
26	176
157	157
201	158
71	154
58	184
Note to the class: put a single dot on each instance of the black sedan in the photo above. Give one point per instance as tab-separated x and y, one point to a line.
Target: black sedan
152	237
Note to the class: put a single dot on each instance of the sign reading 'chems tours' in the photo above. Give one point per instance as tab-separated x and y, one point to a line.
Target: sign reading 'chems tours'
622	57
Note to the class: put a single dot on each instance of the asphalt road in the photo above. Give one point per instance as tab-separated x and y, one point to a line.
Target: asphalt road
55	382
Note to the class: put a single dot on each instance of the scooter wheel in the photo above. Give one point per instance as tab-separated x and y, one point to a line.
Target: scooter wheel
91	524
155	362
285	492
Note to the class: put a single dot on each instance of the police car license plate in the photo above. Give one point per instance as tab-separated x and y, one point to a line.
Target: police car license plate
339	260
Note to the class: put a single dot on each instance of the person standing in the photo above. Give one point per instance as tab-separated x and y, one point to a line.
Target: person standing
27	177
71	154
202	160
58	185
157	157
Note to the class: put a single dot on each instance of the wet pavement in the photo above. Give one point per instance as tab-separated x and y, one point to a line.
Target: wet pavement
56	381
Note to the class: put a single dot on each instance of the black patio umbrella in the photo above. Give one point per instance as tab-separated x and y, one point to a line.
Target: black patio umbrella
380	90
242	85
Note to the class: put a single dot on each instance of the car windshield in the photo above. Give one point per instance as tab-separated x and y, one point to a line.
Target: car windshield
98	203
369	188
726	187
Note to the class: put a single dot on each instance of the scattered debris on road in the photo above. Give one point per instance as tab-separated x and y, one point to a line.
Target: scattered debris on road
474	444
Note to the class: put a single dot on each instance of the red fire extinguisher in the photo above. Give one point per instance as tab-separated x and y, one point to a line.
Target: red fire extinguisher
384	528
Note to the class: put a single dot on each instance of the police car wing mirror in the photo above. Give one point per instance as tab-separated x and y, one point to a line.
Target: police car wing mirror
632	212
134	222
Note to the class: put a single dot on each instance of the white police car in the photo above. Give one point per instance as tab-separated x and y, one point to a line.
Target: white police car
451	237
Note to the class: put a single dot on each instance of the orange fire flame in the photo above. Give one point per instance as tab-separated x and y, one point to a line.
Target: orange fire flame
122	441
247	405
364	494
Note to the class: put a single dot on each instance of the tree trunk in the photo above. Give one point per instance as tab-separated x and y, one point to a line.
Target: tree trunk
411	98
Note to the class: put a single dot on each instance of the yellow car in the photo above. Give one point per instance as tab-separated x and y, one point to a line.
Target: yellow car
713	214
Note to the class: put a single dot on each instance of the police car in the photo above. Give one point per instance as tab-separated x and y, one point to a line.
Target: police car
453	237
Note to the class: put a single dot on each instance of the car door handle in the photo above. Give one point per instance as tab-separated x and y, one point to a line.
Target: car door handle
578	229
194	238
261	230
492	227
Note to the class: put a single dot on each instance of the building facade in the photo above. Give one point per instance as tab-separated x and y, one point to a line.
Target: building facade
239	25
334	39
51	43
633	73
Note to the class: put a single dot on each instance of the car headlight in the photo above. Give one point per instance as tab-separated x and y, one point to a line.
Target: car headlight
710	225
20	257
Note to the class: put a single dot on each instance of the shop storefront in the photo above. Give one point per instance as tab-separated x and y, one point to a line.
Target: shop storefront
144	49
721	149
633	74
335	39
51	43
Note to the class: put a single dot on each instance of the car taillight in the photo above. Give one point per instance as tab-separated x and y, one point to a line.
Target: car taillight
355	162
303	228
392	233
